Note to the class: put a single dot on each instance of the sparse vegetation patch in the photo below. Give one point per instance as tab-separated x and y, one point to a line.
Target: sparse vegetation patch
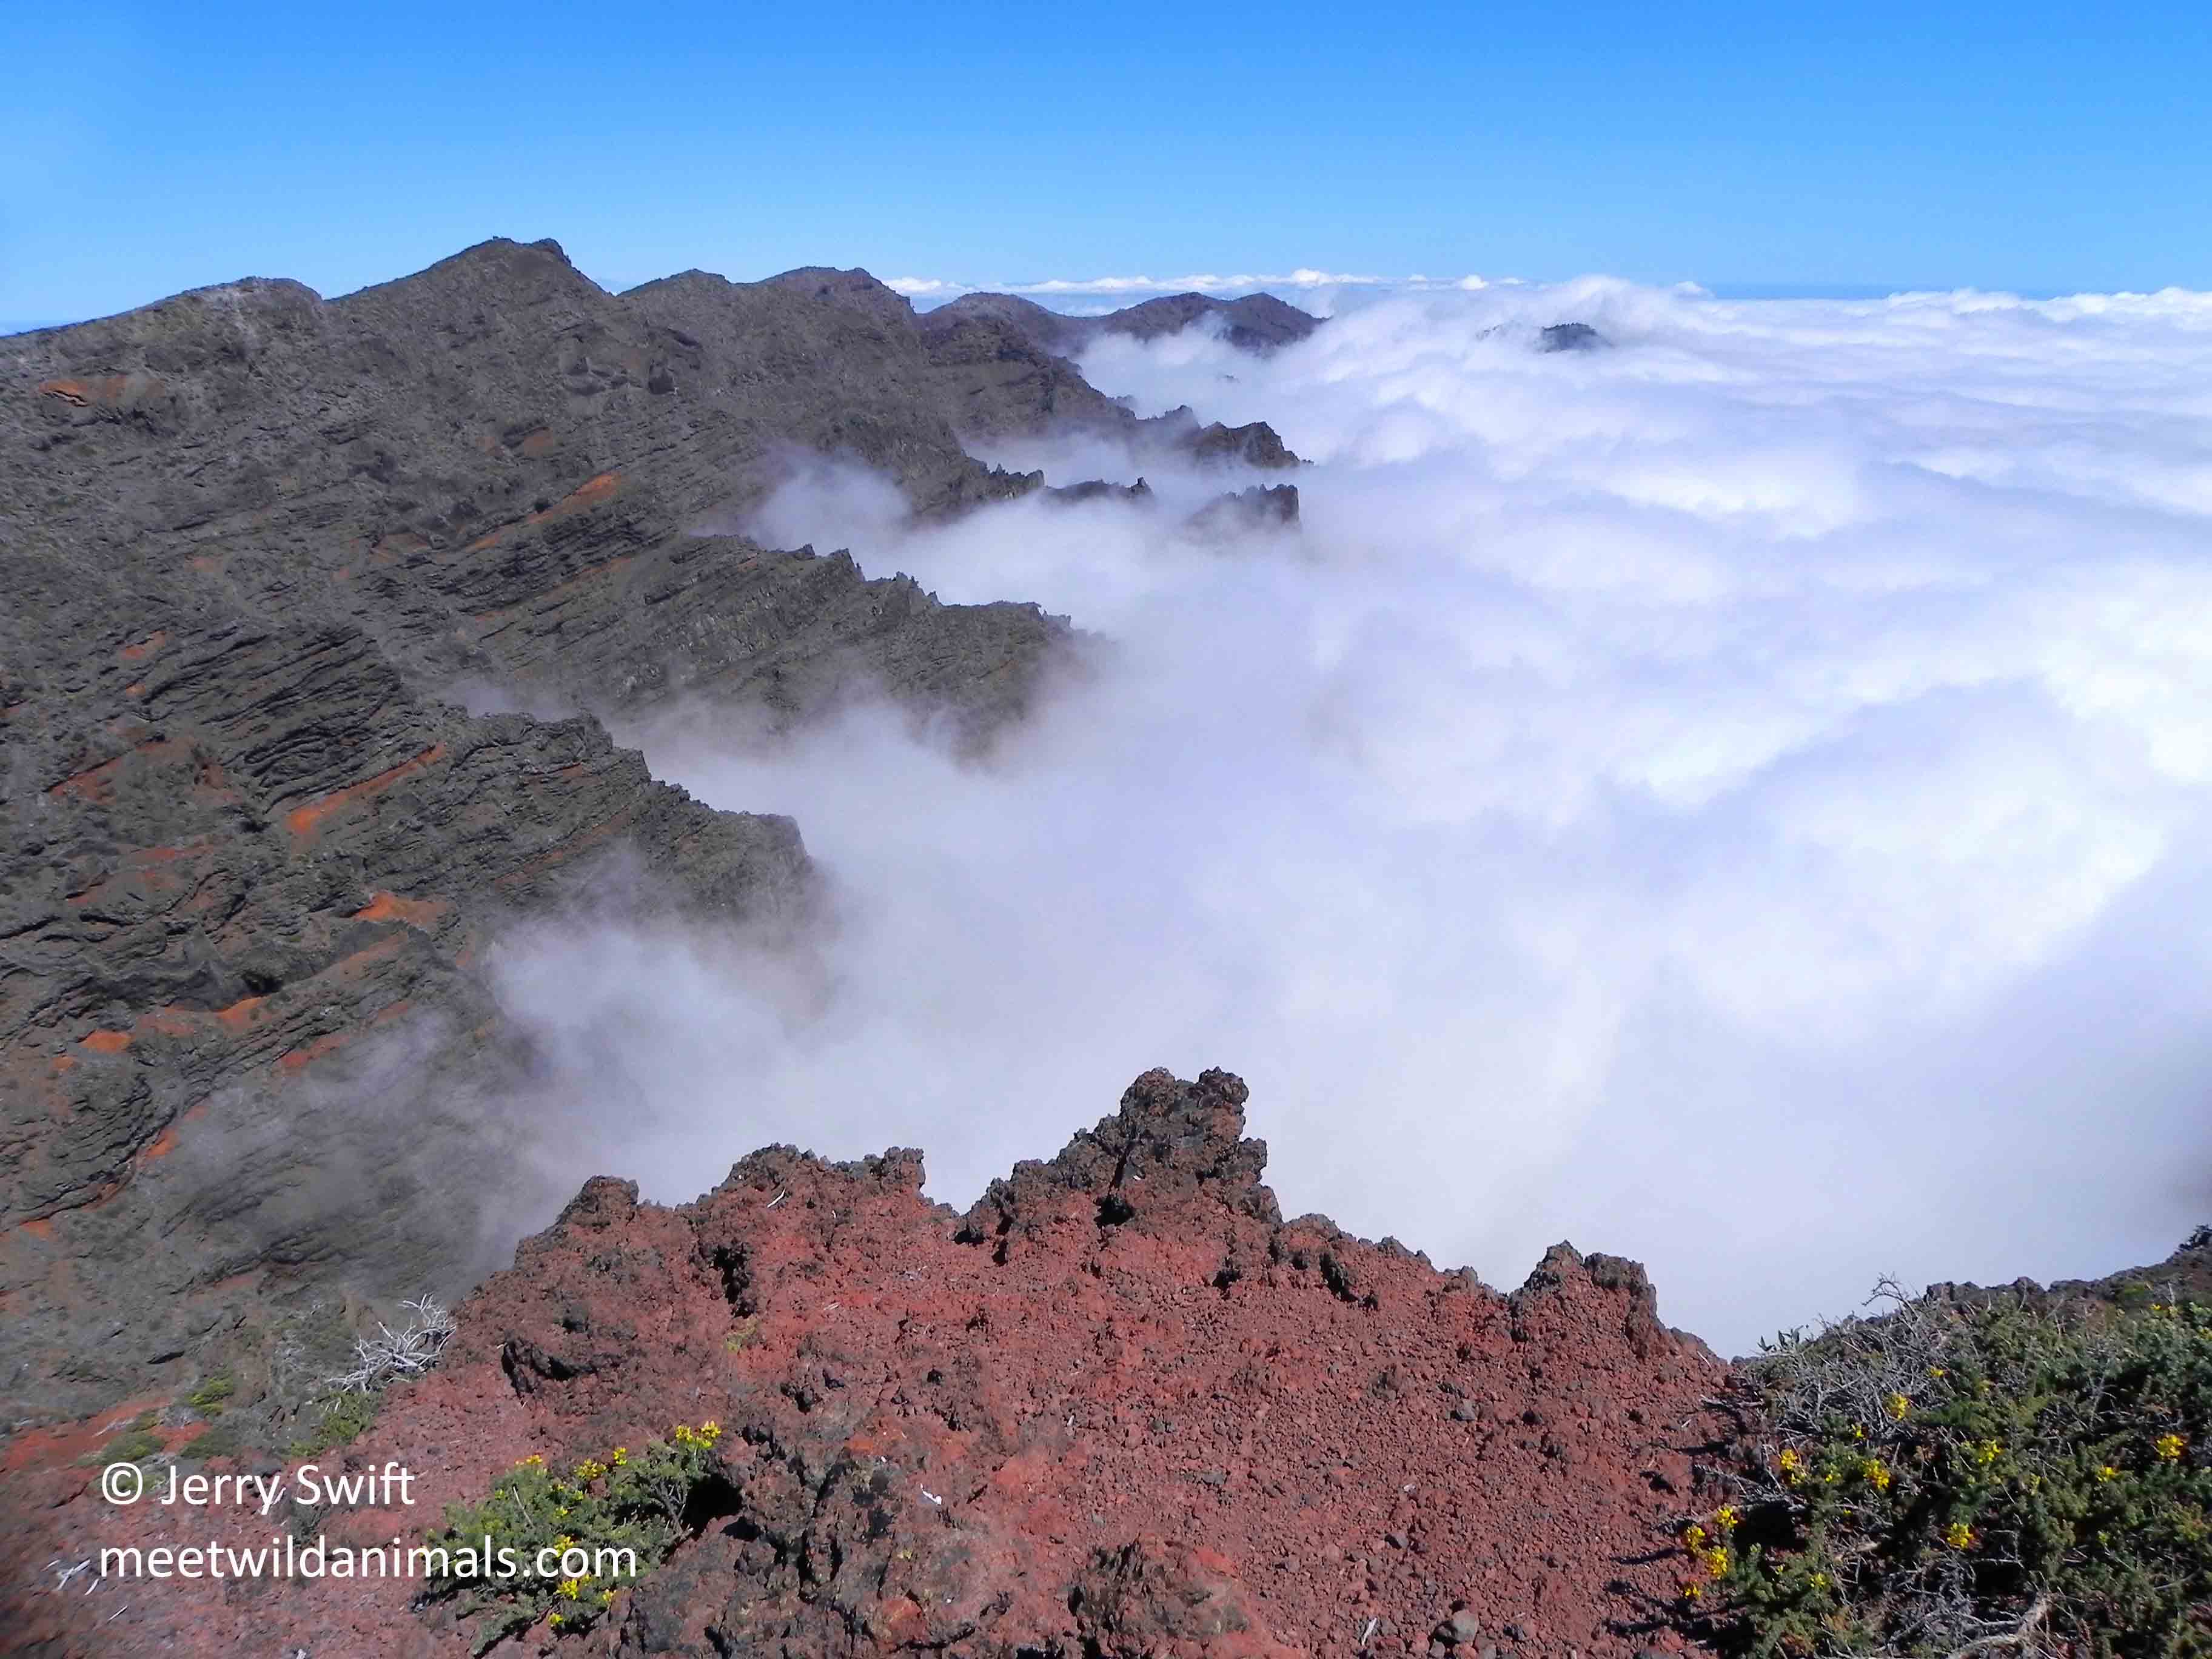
562	1543
1947	1480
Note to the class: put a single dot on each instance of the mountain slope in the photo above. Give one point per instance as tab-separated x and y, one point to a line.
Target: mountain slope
258	545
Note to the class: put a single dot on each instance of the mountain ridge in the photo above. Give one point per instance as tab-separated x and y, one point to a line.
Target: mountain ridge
260	545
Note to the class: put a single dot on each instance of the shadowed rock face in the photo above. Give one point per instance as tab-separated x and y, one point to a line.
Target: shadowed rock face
1258	322
1571	337
1258	508
2184	1276
1121	1405
249	853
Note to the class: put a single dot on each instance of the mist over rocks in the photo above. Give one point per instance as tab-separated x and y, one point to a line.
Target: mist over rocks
260	546
1698	749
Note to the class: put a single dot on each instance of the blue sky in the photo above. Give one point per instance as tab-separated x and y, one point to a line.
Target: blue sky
2040	148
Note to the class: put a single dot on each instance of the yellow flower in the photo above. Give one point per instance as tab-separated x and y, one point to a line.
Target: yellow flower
1694	1534
566	1589
618	1456
1692	1592
1900	1407
1858	1431
2168	1447
1716	1562
1959	1535
1820	1581
1983	1388
532	1461
1792	1465
710	1431
1938	1372
1985	1452
555	1621
1725	1516
607	1598
590	1469
561	1541
2106	1472
1877	1474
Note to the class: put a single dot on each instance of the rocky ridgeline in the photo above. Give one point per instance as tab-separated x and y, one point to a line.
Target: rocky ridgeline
1120	1407
256	543
1257	322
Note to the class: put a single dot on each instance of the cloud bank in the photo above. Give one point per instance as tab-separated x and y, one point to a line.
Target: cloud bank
1738	800
1318	290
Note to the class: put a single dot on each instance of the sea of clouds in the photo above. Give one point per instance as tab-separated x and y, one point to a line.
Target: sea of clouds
1738	799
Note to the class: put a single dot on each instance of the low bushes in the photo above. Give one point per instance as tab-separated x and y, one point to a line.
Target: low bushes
1944	1480
601	1522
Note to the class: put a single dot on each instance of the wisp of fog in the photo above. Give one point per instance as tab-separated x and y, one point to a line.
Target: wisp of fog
1736	799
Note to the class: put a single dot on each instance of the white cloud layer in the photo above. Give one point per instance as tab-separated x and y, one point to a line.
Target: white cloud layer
1738	800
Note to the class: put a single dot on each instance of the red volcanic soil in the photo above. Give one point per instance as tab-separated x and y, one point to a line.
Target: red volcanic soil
1119	1407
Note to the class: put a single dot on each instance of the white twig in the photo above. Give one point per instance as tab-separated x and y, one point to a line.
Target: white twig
390	1355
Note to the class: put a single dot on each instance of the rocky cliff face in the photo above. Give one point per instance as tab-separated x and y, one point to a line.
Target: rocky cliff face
492	469
260	547
1122	1407
244	872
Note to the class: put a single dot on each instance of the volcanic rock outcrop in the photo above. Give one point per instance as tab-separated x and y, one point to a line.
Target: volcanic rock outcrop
1120	1407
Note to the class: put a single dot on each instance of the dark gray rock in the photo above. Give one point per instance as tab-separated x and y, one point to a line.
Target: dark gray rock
1097	490
1257	322
1461	1628
1571	337
1253	445
1259	507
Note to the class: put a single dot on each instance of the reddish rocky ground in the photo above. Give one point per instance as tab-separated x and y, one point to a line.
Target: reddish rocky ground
1119	1407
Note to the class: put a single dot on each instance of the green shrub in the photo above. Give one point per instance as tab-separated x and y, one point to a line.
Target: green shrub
637	1505
344	1417
1991	1478
208	1398
135	1445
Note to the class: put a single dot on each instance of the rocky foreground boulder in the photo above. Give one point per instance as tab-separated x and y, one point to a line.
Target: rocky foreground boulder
1120	1407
